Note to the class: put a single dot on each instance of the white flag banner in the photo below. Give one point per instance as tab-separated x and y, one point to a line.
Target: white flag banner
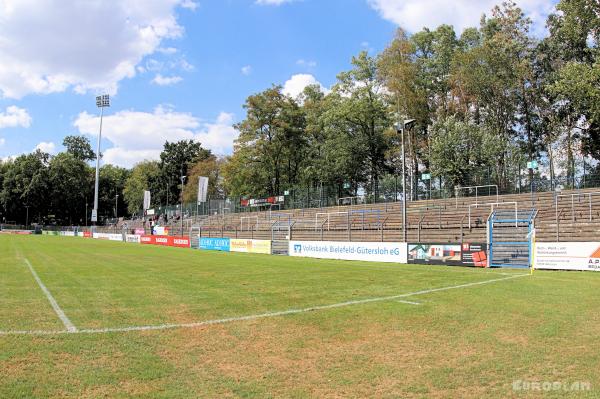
146	200
202	189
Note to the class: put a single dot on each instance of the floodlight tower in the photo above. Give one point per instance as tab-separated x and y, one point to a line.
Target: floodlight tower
400	128
181	210
102	102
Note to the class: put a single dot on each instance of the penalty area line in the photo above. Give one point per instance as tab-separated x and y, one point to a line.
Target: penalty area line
260	315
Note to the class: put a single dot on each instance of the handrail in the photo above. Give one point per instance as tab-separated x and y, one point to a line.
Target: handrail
419	228
461	228
589	194
247	218
458	189
558	225
382	225
327	219
492	204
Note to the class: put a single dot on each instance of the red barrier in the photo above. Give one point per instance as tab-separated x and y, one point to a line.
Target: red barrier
87	234
163	240
181	242
147	240
167	241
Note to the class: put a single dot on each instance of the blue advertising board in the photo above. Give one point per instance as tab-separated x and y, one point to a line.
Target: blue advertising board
215	244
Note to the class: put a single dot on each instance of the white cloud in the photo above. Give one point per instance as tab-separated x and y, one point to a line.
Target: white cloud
141	135
50	46
272	2
219	136
247	70
307	64
166	80
413	15
295	85
46	146
2	142
14	117
189	4
167	50
8	158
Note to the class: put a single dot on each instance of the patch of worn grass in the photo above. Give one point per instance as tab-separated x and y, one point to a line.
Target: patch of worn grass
469	343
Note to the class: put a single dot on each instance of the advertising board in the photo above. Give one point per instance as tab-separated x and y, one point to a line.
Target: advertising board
166	241
255	202
135	238
567	255
147	240
367	251
250	246
179	242
215	244
107	236
448	254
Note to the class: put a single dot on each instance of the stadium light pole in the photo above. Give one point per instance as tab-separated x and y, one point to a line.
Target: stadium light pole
401	127
181	210
101	102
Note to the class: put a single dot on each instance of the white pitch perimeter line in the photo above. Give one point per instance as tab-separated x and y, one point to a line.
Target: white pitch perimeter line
59	312
410	303
257	316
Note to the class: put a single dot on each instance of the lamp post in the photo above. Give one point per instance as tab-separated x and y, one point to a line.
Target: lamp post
181	211
102	102
400	128
116	205
27	217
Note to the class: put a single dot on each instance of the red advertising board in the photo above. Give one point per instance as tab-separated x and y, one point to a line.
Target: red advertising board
87	234
167	241
163	240
147	239
181	242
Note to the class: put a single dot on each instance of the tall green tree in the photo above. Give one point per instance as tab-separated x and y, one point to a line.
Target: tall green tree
69	180
360	116
111	201
25	184
269	150
79	147
144	176
175	161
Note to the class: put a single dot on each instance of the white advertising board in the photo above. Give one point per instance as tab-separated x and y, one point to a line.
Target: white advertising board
368	251
133	238
567	255
106	236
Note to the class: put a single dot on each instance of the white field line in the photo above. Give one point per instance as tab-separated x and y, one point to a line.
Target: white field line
256	316
59	312
410	302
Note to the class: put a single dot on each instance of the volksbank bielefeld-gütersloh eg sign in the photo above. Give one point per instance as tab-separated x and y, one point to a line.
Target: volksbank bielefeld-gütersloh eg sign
368	251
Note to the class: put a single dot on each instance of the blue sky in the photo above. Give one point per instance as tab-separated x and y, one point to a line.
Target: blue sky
181	69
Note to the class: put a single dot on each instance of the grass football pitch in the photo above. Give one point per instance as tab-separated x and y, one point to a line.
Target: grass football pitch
84	318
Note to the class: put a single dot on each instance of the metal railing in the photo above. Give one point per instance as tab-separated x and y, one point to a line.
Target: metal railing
492	205
573	196
457	191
